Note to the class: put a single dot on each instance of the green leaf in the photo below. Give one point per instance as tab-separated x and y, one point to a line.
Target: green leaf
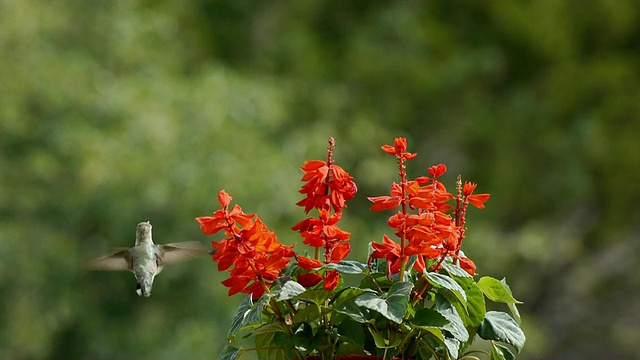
228	353
369	282
496	290
500	352
247	314
453	347
290	289
281	339
429	317
514	312
352	332
254	316
501	327
455	270
398	297
347	295
434	333
303	337
394	307
308	313
348	267
476	307
266	350
426	351
455	325
445	282
381	341
512	306
354	311
272	327
315	296
241	312
344	303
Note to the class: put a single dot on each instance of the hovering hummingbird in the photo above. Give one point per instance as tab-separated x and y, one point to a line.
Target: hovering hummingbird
146	259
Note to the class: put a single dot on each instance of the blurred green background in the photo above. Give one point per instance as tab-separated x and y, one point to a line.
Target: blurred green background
114	112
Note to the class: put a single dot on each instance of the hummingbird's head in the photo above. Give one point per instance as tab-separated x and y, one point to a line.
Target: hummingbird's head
143	231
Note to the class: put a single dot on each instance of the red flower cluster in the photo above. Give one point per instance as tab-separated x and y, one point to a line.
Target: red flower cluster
429	233
254	257
255	253
327	188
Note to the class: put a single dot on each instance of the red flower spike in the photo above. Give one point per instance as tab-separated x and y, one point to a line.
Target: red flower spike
328	187
251	253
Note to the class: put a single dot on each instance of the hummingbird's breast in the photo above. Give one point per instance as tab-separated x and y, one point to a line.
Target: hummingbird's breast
144	259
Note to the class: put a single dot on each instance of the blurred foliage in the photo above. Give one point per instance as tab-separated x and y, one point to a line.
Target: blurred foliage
114	112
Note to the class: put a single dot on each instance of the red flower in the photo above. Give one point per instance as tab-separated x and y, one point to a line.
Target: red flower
477	200
315	174
331	280
328	187
384	202
224	198
251	253
339	251
221	219
467	265
389	250
254	257
399	149
317	231
437	170
308	263
342	188
309	280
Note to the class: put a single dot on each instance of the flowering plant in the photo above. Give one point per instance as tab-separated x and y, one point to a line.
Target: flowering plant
416	299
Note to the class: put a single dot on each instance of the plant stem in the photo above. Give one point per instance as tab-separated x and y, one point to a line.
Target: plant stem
403	236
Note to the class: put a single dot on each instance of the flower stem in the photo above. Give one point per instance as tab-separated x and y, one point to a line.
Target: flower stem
403	236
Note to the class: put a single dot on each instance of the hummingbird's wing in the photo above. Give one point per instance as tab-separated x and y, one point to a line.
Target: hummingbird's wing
118	261
182	251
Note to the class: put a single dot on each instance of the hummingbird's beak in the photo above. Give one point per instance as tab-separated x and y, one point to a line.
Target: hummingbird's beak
142	290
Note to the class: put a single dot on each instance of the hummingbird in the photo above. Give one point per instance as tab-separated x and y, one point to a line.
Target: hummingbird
146	259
